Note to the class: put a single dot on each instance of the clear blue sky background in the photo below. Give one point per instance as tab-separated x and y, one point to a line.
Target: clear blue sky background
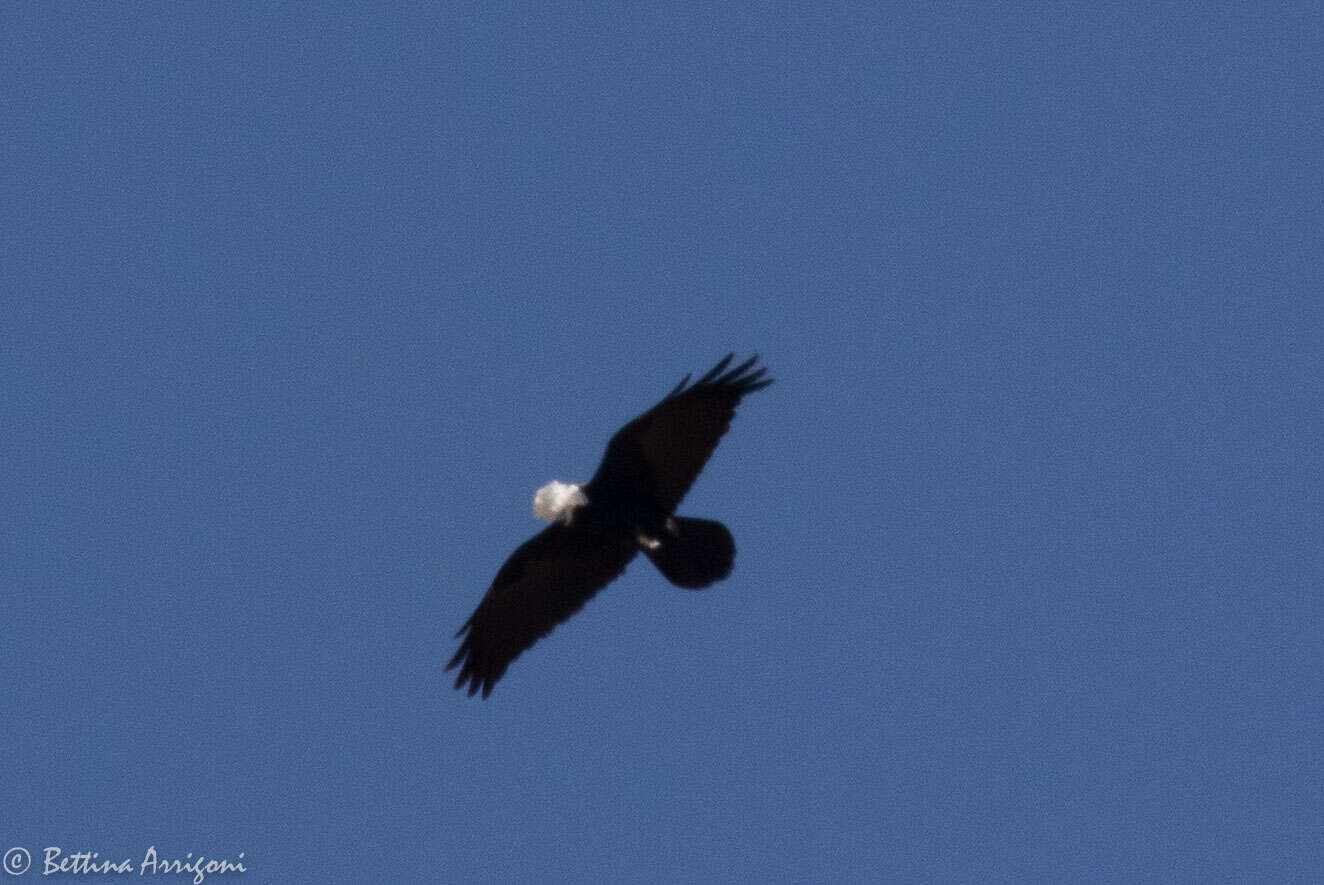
301	304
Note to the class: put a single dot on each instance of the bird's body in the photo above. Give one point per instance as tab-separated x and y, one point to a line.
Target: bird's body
597	528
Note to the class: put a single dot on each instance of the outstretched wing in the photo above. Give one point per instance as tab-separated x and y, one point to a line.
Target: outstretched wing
546	580
662	452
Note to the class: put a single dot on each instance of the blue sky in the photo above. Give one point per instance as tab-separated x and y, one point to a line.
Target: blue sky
301	304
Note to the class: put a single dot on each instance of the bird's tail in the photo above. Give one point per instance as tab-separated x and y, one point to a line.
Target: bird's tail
692	553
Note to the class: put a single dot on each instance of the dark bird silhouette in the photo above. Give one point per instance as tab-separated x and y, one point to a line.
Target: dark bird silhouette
598	527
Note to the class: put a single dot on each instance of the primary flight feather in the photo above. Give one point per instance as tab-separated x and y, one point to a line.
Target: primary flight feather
598	527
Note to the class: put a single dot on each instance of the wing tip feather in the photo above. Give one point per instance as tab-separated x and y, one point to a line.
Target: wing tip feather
741	379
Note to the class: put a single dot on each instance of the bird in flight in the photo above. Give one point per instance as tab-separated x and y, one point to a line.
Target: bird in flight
597	527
